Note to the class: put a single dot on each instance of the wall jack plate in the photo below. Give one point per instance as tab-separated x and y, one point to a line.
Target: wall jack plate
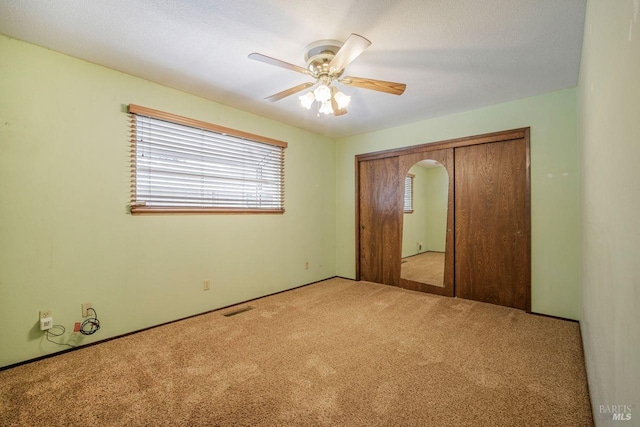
85	309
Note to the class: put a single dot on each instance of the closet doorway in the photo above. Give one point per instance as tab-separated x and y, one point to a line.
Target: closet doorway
488	237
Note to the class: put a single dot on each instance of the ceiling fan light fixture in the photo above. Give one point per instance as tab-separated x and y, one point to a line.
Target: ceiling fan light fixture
342	100
307	100
326	108
322	93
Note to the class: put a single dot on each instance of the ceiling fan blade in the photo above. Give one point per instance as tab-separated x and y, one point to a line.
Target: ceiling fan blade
289	91
379	85
337	111
349	51
278	63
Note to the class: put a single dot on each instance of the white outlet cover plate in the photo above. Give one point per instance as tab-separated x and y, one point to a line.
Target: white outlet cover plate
85	309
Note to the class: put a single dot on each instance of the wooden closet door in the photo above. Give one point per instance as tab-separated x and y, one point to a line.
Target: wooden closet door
492	233
380	207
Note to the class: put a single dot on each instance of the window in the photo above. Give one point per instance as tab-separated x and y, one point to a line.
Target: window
180	165
408	193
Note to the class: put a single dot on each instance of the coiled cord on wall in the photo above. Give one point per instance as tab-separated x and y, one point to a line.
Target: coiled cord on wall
90	326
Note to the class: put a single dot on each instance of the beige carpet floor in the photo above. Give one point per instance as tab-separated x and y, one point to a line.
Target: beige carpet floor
337	353
427	267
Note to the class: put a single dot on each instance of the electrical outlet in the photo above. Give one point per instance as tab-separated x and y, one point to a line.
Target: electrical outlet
46	319
206	285
85	309
46	323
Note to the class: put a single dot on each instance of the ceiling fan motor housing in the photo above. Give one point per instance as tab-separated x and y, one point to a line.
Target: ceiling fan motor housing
319	54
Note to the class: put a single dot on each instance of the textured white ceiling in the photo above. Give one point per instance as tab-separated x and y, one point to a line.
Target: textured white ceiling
454	55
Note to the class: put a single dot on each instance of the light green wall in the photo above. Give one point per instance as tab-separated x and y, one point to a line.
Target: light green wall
437	202
414	227
609	138
65	235
554	186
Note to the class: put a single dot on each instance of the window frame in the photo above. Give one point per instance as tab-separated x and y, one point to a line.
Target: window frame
138	207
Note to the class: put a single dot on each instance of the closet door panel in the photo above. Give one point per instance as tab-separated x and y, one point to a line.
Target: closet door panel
380	204
492	246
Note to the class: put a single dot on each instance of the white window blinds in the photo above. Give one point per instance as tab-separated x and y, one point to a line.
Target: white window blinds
183	168
408	193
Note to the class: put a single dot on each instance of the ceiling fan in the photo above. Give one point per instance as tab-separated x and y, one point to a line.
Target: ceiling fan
326	61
